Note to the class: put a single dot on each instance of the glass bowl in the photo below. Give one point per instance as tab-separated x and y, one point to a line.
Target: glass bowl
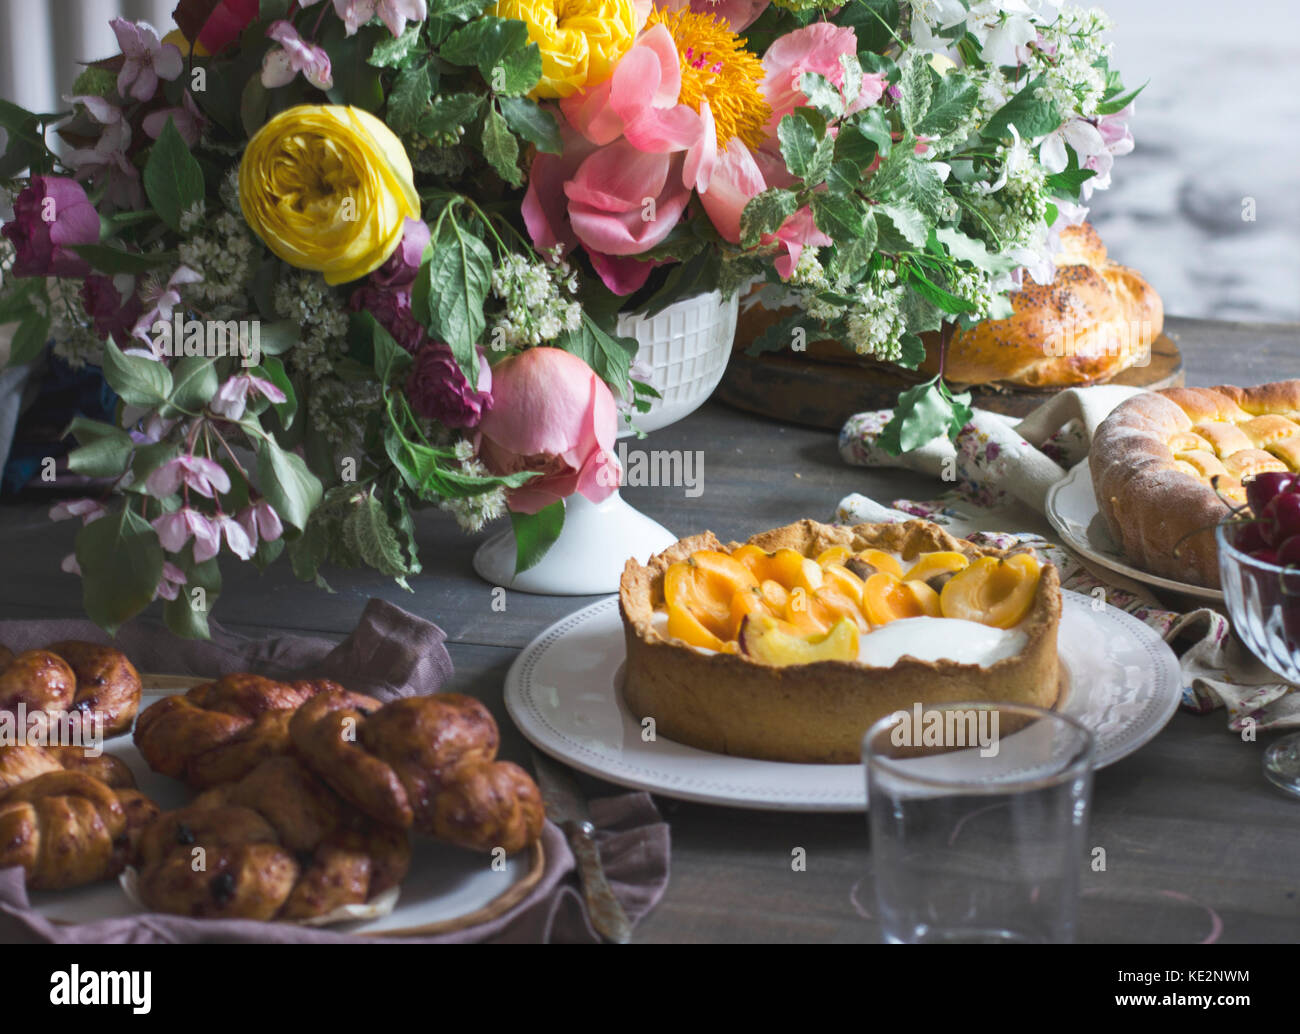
1263	604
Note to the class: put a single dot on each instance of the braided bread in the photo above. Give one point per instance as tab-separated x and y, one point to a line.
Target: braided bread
72	677
426	762
278	844
20	763
67	829
220	731
1161	460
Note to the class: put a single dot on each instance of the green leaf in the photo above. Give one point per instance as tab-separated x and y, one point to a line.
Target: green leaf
533	122
953	100
500	147
272	369
535	533
371	537
254	102
121	564
822	94
173	178
393	52
798	144
409	99
20	300
187	615
277	338
107	259
102	451
1031	116
449	113
874	21
287	484
31	336
1117	103
390	360
913	352
765	213
784	333
924	413
149	458
910	224
139	381
840	218
1069	181
611	357
915	88
501	50
459	275
194	382
936	295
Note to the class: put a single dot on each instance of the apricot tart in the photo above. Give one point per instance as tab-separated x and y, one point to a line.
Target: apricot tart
1163	464
789	646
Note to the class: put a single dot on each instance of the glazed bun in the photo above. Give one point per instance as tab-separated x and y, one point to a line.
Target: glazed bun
1095	319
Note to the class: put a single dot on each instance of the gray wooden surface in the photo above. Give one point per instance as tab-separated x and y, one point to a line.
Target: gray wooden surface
1191	829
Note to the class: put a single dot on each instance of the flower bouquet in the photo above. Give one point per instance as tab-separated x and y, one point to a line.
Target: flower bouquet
340	258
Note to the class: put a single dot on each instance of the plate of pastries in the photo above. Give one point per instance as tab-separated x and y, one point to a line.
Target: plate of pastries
246	797
1165	468
747	673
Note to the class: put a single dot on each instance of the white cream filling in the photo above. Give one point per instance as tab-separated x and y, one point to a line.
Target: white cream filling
926	639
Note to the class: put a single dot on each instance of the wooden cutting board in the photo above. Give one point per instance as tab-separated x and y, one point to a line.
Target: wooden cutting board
827	384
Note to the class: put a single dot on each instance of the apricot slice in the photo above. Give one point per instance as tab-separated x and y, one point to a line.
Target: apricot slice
775	595
996	592
834	555
805	614
843	581
766	642
931	565
886	598
874	561
704	584
788	567
684	625
745	602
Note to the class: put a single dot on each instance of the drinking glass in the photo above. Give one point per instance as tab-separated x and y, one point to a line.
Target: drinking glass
978	822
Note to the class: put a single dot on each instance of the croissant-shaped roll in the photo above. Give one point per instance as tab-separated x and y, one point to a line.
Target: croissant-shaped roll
424	762
107	683
66	829
278	844
220	731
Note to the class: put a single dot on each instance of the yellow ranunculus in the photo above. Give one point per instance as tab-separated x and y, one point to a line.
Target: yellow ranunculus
328	188
580	40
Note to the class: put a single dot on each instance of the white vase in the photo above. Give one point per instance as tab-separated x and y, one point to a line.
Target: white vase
686	346
588	557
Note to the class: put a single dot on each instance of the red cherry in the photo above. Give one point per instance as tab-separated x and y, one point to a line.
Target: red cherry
1247	536
1281	518
1265	556
1289	552
1261	489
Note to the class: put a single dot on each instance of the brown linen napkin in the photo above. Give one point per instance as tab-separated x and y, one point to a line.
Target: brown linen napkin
390	654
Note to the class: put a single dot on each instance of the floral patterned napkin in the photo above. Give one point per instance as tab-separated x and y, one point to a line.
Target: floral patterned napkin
1000	471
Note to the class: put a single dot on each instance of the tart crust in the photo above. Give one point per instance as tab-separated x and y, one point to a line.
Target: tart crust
814	713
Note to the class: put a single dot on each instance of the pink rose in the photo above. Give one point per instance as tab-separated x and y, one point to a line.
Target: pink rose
113	315
405	262
227	22
553	415
817	48
439	390
50	216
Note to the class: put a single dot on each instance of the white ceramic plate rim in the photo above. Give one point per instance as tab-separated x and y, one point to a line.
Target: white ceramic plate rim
675	770
1071	506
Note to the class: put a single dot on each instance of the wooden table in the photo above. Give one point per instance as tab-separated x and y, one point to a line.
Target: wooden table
1188	823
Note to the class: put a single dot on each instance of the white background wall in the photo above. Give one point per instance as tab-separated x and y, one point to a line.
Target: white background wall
1220	122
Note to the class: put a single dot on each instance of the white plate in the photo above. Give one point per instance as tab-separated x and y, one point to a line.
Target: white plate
562	693
1072	510
445	884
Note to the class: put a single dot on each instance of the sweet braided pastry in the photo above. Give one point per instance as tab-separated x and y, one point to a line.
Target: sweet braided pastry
67	829
1163	462
426	762
278	844
220	731
72	677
